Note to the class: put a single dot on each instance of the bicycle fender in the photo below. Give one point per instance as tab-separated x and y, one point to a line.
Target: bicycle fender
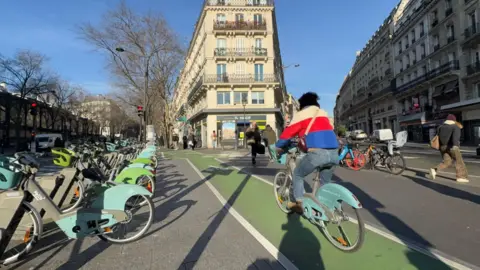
145	161
140	165
145	155
330	194
130	175
115	197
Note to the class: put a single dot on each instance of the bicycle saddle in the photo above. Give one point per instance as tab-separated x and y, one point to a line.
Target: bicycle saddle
91	174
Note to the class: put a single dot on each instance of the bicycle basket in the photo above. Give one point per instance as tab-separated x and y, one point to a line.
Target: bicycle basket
63	157
10	173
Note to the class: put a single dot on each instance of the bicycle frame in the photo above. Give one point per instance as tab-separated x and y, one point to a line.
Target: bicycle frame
345	151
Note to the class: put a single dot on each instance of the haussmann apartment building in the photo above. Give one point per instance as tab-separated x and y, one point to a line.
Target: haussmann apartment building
233	73
435	58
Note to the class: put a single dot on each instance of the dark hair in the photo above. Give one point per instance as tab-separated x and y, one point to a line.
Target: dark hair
308	99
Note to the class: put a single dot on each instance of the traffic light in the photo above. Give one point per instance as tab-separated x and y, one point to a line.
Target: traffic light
33	109
140	110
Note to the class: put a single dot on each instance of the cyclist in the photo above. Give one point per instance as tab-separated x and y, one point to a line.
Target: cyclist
321	143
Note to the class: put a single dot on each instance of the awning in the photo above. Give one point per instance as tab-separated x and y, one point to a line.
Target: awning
471	104
450	86
438	90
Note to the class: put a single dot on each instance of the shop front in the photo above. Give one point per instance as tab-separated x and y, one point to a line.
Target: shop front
467	113
231	128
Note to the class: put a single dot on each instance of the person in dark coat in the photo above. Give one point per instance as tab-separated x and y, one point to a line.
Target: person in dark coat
254	140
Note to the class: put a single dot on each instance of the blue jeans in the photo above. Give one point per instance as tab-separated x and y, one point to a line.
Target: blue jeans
324	159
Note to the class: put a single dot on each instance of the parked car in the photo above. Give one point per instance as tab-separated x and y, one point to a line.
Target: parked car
359	135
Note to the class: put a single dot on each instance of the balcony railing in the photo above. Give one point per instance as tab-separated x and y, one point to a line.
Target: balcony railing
413	40
239	3
445	68
436	47
473	68
471	30
241	78
239	25
237	52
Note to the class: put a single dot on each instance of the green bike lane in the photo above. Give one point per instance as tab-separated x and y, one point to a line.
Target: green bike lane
297	239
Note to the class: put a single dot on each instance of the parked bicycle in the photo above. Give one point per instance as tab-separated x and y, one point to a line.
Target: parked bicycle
324	207
388	154
351	157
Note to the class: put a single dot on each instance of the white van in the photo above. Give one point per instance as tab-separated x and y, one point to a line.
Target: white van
46	141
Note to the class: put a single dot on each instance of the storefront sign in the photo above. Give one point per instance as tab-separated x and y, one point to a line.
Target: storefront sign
240	117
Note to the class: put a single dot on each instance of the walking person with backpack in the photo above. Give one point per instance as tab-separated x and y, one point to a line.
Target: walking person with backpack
447	141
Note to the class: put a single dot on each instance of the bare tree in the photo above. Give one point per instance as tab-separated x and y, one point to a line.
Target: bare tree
143	53
58	100
26	76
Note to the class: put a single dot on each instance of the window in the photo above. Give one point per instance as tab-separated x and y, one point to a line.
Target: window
221	18
257	18
476	91
476	57
413	35
221	72
223	98
259	72
239	17
240	45
258	98
472	19
448	4
238	97
422	29
424	70
451	57
258	43
240	68
435	40
221	43
450	32
423	51
400	47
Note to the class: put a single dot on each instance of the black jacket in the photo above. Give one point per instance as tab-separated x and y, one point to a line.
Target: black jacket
449	135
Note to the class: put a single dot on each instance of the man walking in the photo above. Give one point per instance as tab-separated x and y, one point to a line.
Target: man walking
449	139
269	137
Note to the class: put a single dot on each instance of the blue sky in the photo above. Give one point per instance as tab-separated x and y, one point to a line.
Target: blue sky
322	36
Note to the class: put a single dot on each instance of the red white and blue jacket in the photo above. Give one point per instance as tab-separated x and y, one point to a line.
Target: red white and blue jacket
321	134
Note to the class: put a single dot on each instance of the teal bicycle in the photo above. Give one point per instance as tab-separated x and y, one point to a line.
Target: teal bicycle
324	207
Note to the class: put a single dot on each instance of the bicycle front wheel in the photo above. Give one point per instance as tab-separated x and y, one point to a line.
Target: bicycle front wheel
281	190
340	231
78	196
118	233
25	236
396	164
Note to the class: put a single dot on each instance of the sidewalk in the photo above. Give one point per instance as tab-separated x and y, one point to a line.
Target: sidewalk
465	149
190	231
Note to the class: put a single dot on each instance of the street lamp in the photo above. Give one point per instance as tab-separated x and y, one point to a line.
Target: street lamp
244	104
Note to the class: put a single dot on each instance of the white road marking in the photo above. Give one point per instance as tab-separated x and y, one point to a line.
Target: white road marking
407	157
433	253
440	173
282	259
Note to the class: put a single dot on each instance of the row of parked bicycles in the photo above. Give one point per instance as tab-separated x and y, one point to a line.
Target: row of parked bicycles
374	155
110	193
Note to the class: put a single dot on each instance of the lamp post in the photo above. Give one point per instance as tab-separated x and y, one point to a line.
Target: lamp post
244	104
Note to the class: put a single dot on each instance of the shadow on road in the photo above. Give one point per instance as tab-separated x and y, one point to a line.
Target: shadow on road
395	225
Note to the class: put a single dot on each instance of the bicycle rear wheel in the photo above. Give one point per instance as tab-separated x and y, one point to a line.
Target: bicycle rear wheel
117	233
25	236
281	190
78	196
345	225
396	164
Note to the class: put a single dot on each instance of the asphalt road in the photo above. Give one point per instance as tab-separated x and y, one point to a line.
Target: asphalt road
439	214
191	231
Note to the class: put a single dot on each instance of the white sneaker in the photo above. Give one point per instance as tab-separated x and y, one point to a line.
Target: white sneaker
462	180
433	173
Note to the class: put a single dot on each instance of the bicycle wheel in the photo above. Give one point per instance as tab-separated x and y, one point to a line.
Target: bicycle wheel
147	182
78	196
281	190
155	160
357	162
343	242
22	242
121	228
396	161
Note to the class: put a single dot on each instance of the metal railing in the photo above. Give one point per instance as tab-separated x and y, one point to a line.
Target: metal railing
239	25
473	68
240	52
471	30
256	3
240	78
445	68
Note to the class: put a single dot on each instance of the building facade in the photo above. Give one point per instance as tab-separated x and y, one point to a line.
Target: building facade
435	55
233	73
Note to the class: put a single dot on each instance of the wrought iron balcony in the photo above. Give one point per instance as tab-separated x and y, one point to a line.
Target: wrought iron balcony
240	52
443	69
239	3
239	25
373	81
241	78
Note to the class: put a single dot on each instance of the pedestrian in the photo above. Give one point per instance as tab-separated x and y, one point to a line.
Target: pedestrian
185	142
269	136
449	141
214	139
254	140
191	140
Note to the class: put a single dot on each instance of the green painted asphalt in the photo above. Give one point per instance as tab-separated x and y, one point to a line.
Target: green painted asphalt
296	238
